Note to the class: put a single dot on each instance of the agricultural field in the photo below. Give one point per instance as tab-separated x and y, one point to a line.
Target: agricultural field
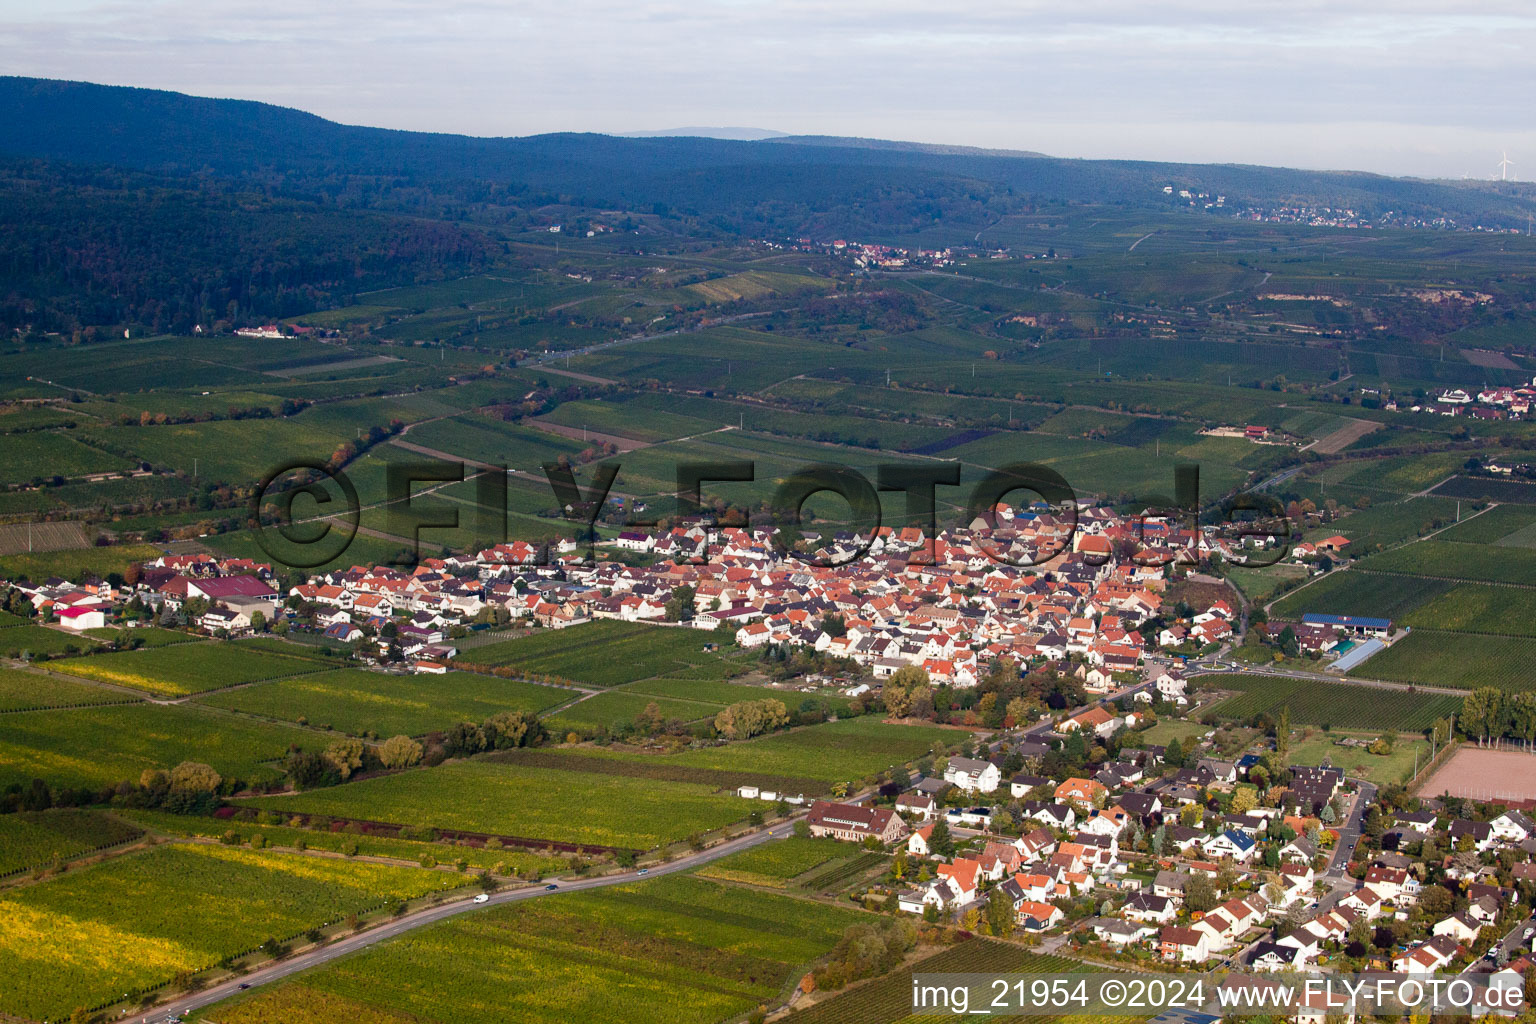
21	690
183	669
1478	608
47	453
888	1000
629	765
1339	705
1389	523
107	745
774	864
524	863
844	751
1357	591
1451	560
1498	525
615	709
605	653
32	641
146	636
132	923
72	565
1456	659
357	701
523	801
709	691
35	839
679	949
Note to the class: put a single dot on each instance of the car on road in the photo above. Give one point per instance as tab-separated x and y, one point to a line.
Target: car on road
550	886
482	898
244	985
643	871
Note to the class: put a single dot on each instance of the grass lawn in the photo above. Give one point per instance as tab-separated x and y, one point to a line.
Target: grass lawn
133	922
510	799
681	950
357	701
1380	769
1165	730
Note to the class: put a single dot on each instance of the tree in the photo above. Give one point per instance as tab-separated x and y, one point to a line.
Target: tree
1174	755
345	755
680	604
399	752
1000	916
1199	894
902	688
1283	735
749	718
1244	799
193	777
940	842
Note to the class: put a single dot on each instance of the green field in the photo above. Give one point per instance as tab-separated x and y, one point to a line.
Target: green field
357	701
1456	659
24	691
888	1000
710	691
183	669
1358	592
605	653
107	745
134	922
842	751
1492	526
1452	560
1341	705
1379	768
73	565
1478	608
774	864
616	709
525	863
146	636
30	641
528	802
680	950
29	840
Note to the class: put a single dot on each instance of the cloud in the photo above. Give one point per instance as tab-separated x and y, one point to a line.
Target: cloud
1406	87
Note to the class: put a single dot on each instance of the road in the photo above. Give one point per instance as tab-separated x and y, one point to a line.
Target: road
280	969
1349	831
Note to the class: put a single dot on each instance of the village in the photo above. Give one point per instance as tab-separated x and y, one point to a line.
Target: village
1058	827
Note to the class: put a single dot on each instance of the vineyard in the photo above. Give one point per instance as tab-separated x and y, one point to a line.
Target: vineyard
29	840
1458	660
711	691
356	701
25	691
681	950
107	745
133	922
1478	562
838	875
661	769
30	640
605	653
618	708
511	799
774	864
1343	705
182	669
1478	608
889	999
841	751
1359	592
518	861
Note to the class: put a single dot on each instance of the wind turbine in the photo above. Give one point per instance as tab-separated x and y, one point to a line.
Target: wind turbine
1504	166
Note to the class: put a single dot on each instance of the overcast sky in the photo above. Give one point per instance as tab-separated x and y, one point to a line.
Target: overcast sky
1405	87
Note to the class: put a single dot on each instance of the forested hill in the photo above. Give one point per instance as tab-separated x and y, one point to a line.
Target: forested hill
724	182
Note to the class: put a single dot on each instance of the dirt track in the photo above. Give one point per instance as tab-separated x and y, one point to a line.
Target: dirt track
1485	774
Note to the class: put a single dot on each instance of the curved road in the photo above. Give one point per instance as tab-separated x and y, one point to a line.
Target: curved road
280	969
